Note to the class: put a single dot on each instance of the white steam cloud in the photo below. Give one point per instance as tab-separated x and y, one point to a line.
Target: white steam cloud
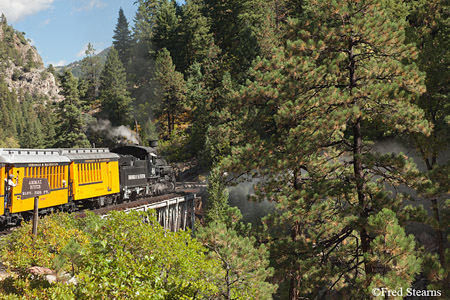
121	133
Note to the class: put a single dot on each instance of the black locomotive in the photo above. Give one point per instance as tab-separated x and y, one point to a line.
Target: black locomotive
143	172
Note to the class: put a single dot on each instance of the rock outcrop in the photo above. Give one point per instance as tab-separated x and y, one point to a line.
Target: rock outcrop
22	68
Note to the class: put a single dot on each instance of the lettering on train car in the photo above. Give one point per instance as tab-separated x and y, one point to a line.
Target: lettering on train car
136	176
95	160
44	165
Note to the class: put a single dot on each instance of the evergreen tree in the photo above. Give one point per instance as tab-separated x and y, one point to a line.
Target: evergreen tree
194	34
114	97
70	129
247	267
10	117
141	72
90	72
431	33
144	21
305	114
208	89
166	27
236	26
122	41
173	90
31	133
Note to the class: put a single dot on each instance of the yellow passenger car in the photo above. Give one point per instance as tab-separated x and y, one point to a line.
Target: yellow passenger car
17	164
94	174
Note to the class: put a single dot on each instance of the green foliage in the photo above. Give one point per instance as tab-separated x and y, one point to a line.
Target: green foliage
22	250
176	147
194	35
114	97
173	91
301	124
70	130
124	256
247	266
217	208
236	26
90	72
166	28
122	39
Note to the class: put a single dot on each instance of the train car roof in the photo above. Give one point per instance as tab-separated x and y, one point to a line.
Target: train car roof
26	156
140	152
88	153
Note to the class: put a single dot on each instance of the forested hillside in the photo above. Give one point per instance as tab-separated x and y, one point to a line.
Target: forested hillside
294	93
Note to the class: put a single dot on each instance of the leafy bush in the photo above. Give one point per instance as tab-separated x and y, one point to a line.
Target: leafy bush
124	256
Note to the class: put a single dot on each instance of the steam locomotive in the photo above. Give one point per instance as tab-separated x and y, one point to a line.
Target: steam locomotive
80	178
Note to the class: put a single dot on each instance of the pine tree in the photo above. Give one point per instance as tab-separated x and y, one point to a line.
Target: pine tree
166	27
114	97
70	129
303	122
31	132
247	267
141	71
90	72
173	90
236	26
207	95
431	34
194	34
10	118
122	41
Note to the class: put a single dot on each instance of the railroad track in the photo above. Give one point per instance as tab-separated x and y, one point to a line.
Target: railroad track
140	202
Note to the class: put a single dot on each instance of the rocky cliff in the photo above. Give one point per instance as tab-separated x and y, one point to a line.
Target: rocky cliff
22	68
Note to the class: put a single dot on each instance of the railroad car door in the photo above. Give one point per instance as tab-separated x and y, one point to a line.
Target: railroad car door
109	175
2	189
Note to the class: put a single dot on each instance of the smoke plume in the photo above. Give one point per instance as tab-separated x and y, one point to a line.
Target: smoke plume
118	134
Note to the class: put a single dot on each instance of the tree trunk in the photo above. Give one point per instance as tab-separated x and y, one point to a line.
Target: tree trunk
294	286
358	167
360	188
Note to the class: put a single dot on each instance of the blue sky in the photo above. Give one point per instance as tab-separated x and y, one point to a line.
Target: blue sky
61	29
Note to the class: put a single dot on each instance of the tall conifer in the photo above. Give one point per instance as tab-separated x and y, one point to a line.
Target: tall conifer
70	130
173	90
114	97
431	33
345	67
122	41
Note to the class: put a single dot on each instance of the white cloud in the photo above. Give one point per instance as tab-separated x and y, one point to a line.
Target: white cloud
82	52
88	5
15	10
97	46
46	22
59	63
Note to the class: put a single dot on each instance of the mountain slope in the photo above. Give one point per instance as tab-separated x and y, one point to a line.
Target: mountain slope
22	68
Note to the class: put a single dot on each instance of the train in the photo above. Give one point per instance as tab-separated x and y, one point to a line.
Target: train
80	178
